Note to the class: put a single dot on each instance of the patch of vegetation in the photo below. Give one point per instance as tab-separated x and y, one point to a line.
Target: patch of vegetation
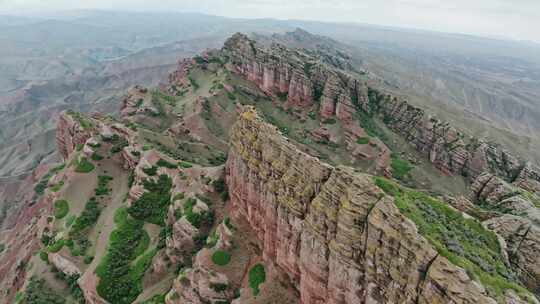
96	157
256	277
307	68
199	60
118	143
61	209
221	258
196	219
44	256
71	281
56	246
219	287
317	92
37	292
94	145
282	96
150	171
81	119
231	95
121	280
194	83
57	187
156	299
102	187
185	165
362	140
464	242
282	127
84	166
221	188
170	100
400	167
368	124
152	205
40	187
329	121
78	232
163	163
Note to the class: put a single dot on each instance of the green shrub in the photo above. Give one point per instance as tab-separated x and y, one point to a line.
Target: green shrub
37	292
83	223
88	259
156	299
56	246
44	256
400	167
219	287
282	96
184	164
231	95
150	171
193	83
96	157
118	143
121	279
221	258
197	219
362	140
224	196
61	209
40	187
84	166
329	121
163	163
179	196
256	277
79	147
71	282
57	187
103	185
219	185
152	205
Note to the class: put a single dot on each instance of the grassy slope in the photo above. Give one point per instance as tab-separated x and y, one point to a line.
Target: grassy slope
465	242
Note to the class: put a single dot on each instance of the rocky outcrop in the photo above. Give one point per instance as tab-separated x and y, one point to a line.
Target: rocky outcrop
199	285
336	234
73	130
523	240
63	264
303	81
518	223
294	76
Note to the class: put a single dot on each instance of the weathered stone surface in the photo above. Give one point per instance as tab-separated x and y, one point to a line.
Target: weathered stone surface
71	132
336	234
63	264
523	246
200	285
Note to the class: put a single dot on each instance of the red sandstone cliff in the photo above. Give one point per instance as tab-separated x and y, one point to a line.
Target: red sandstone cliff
336	234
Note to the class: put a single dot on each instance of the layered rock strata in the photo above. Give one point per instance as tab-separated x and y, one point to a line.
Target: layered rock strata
304	82
336	234
518	223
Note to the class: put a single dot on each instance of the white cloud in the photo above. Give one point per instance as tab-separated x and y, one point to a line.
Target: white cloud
518	19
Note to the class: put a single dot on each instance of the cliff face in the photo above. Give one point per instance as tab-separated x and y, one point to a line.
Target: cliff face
305	83
518	222
337	235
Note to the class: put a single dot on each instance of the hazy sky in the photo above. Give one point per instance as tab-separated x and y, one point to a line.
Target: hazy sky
517	19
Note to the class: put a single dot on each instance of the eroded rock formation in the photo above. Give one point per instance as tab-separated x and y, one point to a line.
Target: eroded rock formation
304	82
336	234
